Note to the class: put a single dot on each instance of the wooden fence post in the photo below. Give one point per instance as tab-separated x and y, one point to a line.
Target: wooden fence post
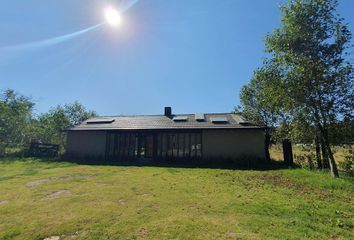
288	152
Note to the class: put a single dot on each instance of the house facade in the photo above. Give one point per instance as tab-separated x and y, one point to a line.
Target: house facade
167	136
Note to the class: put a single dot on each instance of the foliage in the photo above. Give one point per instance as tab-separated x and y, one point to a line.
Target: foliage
15	119
52	124
260	98
348	163
309	64
311	48
76	113
342	132
19	125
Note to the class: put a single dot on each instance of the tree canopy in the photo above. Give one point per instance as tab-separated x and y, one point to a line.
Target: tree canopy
308	76
19	125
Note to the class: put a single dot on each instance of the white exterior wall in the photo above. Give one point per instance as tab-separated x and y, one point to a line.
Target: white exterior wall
86	143
233	143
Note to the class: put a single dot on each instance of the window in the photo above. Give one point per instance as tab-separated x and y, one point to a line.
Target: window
128	145
179	145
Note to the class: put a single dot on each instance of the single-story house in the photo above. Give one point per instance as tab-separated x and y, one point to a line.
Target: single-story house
167	136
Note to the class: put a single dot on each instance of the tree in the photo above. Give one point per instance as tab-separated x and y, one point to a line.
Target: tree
262	99
316	78
15	118
77	113
259	101
52	124
19	126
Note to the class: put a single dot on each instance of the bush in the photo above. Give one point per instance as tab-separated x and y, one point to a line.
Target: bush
348	164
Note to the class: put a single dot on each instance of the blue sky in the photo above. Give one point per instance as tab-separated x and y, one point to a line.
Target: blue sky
192	55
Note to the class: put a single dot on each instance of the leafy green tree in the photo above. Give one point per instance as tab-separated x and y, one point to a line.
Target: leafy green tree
261	98
260	101
15	119
52	124
311	46
19	126
77	113
310	51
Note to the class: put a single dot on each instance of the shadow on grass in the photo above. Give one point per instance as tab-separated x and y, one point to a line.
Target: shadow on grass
54	162
216	164
233	165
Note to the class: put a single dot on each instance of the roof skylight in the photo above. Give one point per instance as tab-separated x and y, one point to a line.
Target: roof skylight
100	121
180	119
199	117
219	120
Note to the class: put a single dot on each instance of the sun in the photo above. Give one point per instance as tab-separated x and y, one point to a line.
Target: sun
112	16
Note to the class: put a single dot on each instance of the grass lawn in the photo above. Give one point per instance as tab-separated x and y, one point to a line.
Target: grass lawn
42	199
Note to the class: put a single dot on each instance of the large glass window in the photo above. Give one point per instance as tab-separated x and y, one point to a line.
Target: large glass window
160	145
187	145
129	145
179	145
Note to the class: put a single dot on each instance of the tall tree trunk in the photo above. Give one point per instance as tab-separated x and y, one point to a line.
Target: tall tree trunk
318	152
326	148
325	159
332	162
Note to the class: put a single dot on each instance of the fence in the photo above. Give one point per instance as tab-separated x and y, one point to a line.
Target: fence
43	150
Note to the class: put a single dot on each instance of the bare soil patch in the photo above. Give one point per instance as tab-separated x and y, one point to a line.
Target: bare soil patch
40	182
52	238
122	201
231	234
37	183
57	194
72	177
278	180
142	233
4	202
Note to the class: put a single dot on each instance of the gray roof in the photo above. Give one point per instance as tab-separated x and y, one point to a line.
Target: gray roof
160	122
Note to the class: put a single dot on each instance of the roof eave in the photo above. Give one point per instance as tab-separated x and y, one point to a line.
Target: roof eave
157	129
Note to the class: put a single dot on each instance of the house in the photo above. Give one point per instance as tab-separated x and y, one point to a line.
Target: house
167	136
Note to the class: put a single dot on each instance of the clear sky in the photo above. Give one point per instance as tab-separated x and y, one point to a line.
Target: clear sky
192	55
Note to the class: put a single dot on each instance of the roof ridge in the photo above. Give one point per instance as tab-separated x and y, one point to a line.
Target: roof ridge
161	115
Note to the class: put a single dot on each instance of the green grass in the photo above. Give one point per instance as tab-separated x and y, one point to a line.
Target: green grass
125	202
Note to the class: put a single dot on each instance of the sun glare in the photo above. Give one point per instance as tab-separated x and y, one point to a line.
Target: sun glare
113	17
